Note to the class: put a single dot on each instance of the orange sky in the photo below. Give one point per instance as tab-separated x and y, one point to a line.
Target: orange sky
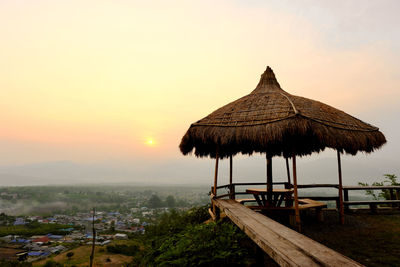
95	80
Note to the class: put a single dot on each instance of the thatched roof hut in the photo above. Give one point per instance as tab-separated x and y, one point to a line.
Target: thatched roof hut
273	121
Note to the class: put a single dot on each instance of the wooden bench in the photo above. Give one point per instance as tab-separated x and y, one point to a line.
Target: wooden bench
245	200
394	194
373	204
304	204
286	246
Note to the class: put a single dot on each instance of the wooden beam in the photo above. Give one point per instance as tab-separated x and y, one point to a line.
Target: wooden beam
287	170
296	196
215	178
231	188
269	180
341	208
287	247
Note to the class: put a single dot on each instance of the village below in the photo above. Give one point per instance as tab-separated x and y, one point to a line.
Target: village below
40	223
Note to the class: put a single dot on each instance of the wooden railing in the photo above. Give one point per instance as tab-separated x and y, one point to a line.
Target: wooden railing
233	190
394	196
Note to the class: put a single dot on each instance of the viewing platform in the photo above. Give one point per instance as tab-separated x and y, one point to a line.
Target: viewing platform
284	245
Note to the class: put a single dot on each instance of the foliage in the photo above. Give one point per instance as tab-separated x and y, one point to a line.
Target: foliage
170	201
183	239
154	202
48	200
202	245
125	249
51	263
69	255
33	228
7	263
6	219
390	179
174	222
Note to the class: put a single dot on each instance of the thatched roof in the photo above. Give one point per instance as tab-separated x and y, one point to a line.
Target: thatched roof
274	121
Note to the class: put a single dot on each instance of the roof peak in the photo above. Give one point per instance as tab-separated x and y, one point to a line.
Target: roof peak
268	78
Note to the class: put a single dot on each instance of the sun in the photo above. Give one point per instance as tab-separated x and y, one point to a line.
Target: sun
150	142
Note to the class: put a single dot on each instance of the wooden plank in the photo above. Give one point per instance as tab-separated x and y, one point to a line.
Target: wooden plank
212	215
320	198
367	202
286	246
304	203
282	252
317	185
264	191
371	187
244	200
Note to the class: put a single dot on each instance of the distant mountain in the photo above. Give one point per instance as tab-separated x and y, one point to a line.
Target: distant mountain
190	170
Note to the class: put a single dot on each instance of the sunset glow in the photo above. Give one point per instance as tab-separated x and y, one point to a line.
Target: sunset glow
150	142
88	81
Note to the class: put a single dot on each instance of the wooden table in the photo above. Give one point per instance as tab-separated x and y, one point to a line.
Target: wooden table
278	195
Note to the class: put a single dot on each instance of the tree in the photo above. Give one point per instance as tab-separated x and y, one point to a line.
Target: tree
390	179
112	226
154	202
51	263
69	255
170	201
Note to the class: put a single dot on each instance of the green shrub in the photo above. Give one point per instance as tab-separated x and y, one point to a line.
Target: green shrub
51	263
125	249
203	245
183	239
7	263
390	179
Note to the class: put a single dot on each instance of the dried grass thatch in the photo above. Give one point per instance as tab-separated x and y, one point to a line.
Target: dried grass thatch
273	121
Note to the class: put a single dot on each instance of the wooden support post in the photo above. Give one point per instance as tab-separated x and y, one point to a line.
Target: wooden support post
398	196
391	194
346	198
231	188
288	172
269	180
215	179
373	208
296	197
392	197
341	208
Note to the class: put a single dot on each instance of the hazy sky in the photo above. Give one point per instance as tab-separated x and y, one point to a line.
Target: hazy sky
101	82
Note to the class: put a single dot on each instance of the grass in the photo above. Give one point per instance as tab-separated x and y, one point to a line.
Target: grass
81	258
371	239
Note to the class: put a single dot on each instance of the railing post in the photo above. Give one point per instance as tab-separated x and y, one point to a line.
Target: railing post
215	179
231	186
287	171
232	191
341	209
296	198
392	196
398	196
269	180
346	198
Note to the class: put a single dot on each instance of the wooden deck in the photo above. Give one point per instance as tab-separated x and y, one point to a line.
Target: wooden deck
285	246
